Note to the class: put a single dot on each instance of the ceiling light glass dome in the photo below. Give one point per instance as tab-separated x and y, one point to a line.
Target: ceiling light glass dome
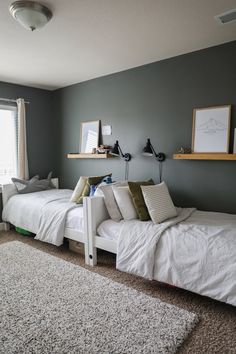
30	14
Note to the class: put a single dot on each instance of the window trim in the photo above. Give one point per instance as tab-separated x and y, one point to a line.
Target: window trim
10	107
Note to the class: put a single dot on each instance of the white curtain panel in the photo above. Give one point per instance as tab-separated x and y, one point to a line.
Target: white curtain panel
23	171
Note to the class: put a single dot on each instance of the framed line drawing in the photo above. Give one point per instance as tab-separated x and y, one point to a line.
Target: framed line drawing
89	136
211	129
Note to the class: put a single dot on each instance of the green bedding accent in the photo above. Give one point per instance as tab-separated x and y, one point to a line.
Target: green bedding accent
137	196
22	231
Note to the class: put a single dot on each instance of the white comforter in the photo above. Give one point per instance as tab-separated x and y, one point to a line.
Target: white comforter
43	213
197	254
138	241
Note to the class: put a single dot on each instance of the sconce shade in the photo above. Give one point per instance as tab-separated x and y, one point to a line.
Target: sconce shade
30	14
147	150
115	150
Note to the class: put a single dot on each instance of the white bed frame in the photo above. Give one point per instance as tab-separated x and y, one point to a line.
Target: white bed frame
8	190
94	211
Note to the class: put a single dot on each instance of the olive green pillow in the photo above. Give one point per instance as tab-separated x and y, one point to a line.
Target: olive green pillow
90	181
138	199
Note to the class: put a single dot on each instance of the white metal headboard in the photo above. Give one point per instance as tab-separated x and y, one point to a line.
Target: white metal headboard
8	190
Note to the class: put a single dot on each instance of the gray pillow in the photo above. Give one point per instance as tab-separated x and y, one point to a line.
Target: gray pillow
33	185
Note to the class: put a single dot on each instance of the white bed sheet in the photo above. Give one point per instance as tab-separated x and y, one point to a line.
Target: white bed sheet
198	254
110	229
21	210
75	219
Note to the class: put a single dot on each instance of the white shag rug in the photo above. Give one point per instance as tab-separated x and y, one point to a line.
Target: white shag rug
51	306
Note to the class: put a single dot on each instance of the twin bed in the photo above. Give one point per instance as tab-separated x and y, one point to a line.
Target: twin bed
51	216
195	251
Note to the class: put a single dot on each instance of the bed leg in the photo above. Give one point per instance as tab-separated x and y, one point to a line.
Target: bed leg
93	257
90	232
86	251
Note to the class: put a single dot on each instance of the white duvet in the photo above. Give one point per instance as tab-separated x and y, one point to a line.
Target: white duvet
137	244
196	254
43	213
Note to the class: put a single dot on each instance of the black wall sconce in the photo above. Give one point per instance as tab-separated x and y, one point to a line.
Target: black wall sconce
116	151
148	150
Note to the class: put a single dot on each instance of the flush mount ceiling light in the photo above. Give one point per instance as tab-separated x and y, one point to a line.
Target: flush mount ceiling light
30	14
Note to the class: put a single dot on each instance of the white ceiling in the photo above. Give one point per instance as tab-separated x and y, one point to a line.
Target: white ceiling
91	38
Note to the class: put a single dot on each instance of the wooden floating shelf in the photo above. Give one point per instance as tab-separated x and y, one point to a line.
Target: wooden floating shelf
196	156
89	156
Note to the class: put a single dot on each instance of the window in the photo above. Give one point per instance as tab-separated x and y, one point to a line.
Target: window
8	143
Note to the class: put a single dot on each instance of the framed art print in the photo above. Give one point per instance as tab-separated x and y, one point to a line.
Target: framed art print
89	136
211	129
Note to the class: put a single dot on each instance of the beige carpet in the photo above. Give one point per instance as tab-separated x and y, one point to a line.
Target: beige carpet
216	331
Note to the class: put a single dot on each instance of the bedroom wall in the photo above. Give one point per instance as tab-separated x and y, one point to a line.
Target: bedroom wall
41	128
155	101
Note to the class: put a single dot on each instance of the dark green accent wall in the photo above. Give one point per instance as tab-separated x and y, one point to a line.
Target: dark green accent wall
155	101
41	127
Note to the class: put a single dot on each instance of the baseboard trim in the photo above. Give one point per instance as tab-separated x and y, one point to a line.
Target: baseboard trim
2	226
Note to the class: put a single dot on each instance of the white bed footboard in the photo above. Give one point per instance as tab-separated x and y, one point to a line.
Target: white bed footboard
96	212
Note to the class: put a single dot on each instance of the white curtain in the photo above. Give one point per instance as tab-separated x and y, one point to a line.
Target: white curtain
22	158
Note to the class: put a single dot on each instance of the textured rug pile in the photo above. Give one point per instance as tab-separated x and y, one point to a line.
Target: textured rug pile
48	305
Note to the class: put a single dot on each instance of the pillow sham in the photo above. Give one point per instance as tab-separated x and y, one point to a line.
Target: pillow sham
21	184
125	202
107	192
90	181
85	193
98	191
97	179
137	196
78	189
104	181
159	202
33	185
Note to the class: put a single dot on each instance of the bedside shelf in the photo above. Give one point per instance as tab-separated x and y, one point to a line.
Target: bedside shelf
89	156
202	156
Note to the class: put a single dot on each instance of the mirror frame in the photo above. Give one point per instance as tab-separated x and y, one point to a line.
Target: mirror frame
82	127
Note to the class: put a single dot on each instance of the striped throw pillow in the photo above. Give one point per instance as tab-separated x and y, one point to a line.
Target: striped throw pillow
159	202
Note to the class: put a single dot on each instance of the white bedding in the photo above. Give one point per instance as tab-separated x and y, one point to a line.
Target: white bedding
137	244
75	219
199	254
26	211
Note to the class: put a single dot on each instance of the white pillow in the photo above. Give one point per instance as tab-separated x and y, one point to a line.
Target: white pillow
98	191
107	192
159	203
125	202
78	189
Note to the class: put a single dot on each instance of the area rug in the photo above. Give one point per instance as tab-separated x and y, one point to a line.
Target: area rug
51	306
